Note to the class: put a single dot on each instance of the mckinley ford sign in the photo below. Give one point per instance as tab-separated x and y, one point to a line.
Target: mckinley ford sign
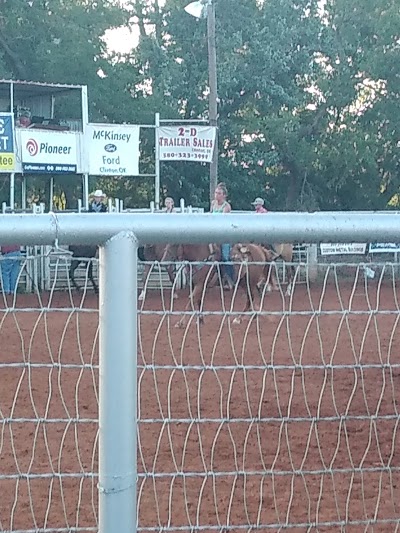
112	149
48	152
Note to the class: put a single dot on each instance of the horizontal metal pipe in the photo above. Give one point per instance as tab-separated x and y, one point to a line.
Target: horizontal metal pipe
158	228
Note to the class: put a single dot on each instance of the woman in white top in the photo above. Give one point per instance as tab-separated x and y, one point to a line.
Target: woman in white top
220	205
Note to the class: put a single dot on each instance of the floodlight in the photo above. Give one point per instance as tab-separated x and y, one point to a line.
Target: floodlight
198	9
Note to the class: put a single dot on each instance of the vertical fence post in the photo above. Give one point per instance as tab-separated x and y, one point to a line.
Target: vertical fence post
157	179
118	385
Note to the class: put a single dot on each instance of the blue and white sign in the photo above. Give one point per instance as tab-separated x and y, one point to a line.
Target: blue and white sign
7	156
47	152
384	247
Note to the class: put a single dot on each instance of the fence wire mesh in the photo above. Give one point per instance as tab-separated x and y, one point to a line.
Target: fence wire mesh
285	417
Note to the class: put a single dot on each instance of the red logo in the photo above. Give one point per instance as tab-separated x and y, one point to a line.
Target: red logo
32	147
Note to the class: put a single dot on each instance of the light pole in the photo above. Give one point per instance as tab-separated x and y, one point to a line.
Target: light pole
202	9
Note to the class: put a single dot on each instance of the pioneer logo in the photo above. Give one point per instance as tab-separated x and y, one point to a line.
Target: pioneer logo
34	148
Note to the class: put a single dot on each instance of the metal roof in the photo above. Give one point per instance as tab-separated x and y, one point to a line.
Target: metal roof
35	88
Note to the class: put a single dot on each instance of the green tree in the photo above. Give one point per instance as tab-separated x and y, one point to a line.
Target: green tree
308	99
308	95
63	42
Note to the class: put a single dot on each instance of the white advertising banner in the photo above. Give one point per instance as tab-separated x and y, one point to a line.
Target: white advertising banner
186	143
49	152
112	149
384	247
343	248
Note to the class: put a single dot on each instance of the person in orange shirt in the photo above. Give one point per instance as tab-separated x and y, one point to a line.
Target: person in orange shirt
259	208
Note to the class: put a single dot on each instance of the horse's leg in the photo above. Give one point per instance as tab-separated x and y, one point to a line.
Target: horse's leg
213	280
90	275
244	283
145	276
289	289
74	265
194	300
182	322
285	252
287	256
188	269
170	272
171	275
207	275
274	277
269	277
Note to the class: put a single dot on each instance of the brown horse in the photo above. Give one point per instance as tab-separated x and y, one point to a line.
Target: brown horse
200	274
285	252
154	253
252	270
249	276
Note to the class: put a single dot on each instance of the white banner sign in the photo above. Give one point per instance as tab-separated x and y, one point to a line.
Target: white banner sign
384	247
186	143
112	149
343	248
49	152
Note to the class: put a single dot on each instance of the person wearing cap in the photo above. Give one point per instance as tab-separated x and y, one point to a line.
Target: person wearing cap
259	205
97	204
259	208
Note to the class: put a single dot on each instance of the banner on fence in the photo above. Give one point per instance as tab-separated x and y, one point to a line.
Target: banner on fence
384	247
343	248
112	149
186	143
49	152
7	156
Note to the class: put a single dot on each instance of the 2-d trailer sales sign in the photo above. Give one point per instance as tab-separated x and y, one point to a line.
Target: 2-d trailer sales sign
112	150
47	152
186	143
7	156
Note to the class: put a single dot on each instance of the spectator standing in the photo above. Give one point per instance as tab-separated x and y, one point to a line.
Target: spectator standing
220	205
169	205
10	267
259	205
97	204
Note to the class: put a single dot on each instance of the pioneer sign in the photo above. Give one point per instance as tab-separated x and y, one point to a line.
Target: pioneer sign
49	152
112	150
186	143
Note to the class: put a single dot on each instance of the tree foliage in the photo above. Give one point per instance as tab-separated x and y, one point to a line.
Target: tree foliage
308	91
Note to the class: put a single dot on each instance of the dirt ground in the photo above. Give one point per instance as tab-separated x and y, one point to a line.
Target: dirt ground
286	420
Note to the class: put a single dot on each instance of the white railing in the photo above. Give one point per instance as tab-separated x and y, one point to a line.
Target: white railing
288	420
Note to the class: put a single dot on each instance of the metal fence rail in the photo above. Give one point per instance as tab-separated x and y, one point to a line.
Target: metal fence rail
300	431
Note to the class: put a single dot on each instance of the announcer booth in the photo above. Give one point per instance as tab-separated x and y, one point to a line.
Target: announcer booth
45	143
